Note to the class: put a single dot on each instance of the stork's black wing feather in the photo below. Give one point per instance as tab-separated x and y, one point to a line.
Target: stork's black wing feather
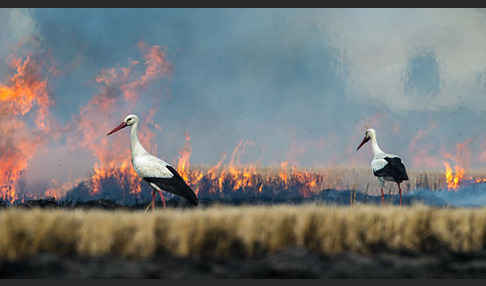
394	168
175	185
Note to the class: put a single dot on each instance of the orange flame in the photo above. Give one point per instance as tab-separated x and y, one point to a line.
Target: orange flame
212	171
462	159
453	180
96	118
185	155
24	89
237	177
283	172
183	165
18	96
57	190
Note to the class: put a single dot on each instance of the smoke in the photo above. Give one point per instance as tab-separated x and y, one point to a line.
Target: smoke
300	84
16	26
412	59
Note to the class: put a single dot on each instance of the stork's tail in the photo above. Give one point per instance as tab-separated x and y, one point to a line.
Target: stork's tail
183	189
191	196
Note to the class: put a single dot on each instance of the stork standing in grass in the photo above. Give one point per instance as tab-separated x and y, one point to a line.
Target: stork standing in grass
157	173
386	167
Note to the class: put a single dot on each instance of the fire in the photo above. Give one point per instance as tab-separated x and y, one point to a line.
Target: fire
23	94
57	190
453	180
234	176
461	158
24	89
124	174
241	177
212	171
183	163
283	174
112	155
119	90
25	102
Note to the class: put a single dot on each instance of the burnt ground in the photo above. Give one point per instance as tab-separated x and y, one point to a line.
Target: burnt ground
292	263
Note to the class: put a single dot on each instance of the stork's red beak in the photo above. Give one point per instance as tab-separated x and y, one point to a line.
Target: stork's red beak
366	139
121	126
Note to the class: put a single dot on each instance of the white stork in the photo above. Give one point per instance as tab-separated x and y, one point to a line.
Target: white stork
386	167
159	174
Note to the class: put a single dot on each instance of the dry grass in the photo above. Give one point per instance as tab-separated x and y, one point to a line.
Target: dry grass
263	182
362	180
359	179
335	177
241	231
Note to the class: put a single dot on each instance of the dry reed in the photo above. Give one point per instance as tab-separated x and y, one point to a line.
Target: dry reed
240	231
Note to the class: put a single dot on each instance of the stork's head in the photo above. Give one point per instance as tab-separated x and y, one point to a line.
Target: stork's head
128	121
369	134
131	119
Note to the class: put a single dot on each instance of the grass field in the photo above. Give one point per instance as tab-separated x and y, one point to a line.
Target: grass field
241	231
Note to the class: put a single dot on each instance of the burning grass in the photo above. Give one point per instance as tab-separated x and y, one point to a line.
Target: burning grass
235	183
241	231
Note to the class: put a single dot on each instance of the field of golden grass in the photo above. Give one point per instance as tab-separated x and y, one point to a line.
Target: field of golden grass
240	231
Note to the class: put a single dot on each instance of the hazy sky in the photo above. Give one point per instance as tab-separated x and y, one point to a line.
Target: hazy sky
301	84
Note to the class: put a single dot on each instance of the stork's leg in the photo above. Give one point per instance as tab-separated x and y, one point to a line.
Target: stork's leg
153	200
162	198
382	182
156	188
400	191
152	203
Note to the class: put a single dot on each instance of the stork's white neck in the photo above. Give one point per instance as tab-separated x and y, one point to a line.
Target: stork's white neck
135	145
374	145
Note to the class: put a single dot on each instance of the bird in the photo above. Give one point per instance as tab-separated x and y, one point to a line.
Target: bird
386	167
159	174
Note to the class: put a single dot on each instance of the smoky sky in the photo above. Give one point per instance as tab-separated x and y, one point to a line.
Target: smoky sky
301	84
